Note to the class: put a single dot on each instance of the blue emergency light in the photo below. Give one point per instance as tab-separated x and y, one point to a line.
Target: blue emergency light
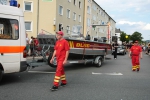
13	3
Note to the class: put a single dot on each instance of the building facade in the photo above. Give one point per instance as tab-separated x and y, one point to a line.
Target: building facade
49	16
87	18
69	16
105	24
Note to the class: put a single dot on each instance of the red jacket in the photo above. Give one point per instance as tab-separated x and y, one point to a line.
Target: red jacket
135	50
61	47
36	42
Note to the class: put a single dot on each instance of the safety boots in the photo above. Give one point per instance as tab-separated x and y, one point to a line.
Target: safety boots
54	88
138	67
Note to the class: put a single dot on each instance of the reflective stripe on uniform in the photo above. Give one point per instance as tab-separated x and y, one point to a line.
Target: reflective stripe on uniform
63	76
137	66
63	79
133	67
56	80
57	77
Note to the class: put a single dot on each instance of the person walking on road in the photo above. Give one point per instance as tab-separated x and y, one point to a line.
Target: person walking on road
135	53
115	46
61	50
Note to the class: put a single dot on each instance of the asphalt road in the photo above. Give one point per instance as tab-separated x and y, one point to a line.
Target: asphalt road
113	81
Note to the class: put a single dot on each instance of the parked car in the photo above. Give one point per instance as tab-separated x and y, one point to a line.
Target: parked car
120	50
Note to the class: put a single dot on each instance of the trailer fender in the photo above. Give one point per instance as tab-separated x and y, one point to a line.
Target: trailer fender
97	59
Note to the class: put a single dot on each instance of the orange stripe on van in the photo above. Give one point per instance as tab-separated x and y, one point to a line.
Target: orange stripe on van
11	49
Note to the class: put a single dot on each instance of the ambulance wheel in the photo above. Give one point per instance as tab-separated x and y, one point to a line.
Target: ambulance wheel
99	64
1	74
51	65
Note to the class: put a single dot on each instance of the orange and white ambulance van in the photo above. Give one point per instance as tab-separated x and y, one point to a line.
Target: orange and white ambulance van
12	40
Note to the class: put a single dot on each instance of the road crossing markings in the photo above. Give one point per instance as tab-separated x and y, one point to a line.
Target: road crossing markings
41	72
107	73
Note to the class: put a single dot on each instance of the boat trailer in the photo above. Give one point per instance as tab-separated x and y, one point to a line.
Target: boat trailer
81	51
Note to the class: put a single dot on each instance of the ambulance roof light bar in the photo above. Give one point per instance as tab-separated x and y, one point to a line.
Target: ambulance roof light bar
13	3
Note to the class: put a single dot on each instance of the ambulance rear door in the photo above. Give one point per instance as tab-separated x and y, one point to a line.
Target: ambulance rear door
10	49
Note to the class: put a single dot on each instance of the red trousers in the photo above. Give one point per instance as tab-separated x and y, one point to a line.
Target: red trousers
135	62
60	74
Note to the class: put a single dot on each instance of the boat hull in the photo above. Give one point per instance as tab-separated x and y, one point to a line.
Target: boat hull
88	48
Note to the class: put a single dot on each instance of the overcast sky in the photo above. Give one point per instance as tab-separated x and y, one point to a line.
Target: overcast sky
130	15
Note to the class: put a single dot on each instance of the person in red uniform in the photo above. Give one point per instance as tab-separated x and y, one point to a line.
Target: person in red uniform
135	54
61	50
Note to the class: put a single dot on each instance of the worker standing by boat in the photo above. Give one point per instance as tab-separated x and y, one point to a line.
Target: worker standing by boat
61	52
135	54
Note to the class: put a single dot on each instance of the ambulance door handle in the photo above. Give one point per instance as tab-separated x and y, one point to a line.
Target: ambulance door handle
2	54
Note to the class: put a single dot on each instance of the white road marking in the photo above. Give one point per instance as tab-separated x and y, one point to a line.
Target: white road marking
107	73
41	72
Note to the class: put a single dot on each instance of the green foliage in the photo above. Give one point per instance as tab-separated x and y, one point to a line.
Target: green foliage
136	36
123	37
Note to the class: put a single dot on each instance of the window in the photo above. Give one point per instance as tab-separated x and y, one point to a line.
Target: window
88	22
94	6
60	27
68	13
28	6
79	4
89	0
101	13
69	0
88	10
74	16
94	17
60	10
79	18
28	26
74	2
99	22
99	30
9	29
68	30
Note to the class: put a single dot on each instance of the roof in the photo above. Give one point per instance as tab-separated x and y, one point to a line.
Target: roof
117	30
10	10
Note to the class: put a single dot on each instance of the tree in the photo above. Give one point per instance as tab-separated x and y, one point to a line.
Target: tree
123	37
136	36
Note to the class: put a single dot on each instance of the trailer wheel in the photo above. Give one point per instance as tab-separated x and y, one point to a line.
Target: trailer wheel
52	65
99	64
1	74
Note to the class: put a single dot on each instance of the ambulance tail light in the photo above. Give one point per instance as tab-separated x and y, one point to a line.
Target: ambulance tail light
25	53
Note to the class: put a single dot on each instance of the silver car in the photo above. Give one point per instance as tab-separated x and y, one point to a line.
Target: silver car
120	50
